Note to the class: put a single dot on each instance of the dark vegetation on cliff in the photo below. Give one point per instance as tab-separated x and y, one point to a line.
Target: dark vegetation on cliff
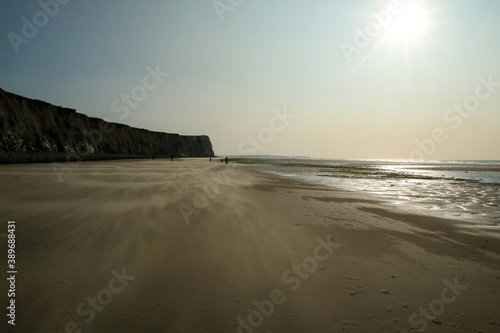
36	131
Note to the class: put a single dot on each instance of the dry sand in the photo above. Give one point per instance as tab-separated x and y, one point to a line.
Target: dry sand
115	232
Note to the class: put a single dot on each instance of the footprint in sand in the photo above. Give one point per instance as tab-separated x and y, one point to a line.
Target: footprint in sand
356	291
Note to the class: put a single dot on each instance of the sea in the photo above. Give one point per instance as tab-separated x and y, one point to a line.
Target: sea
468	191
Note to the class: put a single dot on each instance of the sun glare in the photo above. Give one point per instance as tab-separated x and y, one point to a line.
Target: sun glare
409	23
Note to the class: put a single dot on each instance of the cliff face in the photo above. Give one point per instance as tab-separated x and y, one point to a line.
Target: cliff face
32	126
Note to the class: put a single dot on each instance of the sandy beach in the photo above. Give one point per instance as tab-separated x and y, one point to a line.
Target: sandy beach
194	246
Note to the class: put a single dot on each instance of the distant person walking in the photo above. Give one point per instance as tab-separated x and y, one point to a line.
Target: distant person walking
210	159
172	157
226	160
221	160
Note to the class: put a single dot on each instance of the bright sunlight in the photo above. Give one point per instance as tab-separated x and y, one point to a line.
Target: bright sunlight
409	24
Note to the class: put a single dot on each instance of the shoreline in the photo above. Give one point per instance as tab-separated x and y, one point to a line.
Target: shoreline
467	201
249	252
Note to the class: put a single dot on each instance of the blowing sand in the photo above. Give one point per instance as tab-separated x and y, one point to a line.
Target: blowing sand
193	246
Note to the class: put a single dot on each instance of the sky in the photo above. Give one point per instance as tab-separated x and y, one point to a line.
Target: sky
320	78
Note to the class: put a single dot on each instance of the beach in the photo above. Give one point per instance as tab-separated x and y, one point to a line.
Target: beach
198	246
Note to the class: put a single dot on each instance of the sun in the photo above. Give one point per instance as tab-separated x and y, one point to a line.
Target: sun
409	23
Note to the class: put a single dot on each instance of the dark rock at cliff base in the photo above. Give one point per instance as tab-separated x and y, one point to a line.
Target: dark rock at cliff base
36	131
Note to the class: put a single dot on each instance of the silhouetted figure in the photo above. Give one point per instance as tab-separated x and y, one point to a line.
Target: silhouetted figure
221	160
226	160
210	159
172	157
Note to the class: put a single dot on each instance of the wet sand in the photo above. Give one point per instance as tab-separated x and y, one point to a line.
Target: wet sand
193	246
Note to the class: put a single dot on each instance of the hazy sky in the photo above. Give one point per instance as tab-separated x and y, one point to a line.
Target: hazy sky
419	81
